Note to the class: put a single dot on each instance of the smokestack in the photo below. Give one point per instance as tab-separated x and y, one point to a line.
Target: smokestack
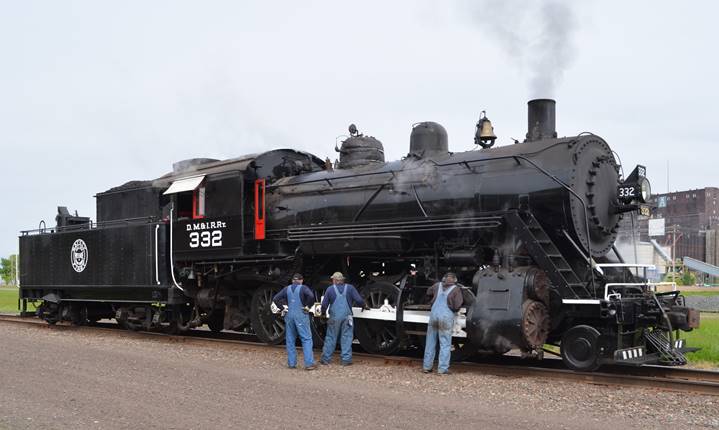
541	120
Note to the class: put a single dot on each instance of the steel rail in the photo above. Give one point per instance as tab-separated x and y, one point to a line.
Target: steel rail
655	377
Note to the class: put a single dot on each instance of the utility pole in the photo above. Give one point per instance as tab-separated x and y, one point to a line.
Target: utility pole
674	258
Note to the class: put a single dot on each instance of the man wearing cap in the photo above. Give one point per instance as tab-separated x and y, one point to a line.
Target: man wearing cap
446	299
340	297
298	298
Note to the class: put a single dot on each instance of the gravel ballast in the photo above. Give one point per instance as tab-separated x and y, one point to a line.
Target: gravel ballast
82	379
703	303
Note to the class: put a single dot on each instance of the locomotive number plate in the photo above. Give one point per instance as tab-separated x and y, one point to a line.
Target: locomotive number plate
627	191
207	235
205	239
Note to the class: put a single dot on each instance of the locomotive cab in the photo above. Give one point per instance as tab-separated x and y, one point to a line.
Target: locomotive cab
219	208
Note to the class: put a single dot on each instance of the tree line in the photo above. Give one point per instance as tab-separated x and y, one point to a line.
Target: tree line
8	268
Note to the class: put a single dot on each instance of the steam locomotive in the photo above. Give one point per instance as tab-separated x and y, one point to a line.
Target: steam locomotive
529	229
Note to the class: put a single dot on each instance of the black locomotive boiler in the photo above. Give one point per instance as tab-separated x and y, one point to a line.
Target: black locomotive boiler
529	228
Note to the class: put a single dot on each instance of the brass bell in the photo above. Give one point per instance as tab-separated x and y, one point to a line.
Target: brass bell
484	134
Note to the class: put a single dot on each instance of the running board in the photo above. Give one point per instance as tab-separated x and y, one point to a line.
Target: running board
389	313
418	317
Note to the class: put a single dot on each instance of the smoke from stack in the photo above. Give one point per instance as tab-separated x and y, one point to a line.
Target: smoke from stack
537	36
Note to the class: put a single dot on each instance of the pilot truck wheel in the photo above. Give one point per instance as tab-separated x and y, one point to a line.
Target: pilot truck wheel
579	348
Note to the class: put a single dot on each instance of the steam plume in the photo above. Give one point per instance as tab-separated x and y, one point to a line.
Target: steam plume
537	36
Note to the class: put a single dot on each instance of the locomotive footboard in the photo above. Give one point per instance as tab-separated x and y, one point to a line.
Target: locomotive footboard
389	313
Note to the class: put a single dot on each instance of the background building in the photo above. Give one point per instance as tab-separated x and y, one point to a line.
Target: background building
690	215
687	221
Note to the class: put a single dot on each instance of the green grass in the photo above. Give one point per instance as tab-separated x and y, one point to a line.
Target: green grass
705	337
701	293
8	300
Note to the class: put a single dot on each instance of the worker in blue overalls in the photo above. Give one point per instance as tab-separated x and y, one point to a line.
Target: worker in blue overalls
340	297
299	298
446	300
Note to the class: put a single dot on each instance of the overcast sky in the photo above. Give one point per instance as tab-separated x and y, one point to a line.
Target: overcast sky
96	93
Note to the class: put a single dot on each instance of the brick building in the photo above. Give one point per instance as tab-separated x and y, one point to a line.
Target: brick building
695	213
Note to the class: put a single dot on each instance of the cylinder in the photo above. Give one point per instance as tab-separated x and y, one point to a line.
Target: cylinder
462	257
541	119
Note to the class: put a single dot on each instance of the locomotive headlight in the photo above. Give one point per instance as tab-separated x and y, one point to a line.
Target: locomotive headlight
646	189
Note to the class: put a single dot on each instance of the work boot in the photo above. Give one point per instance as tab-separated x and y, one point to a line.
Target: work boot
312	367
324	363
426	370
346	363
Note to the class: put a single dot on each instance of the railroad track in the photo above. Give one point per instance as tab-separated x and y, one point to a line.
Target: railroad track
655	377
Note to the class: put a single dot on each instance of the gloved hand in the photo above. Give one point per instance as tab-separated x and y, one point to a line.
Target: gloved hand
364	308
274	309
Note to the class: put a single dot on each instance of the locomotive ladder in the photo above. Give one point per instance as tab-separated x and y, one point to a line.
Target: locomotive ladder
546	254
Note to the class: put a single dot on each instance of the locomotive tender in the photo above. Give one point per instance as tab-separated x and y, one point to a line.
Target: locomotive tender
529	229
